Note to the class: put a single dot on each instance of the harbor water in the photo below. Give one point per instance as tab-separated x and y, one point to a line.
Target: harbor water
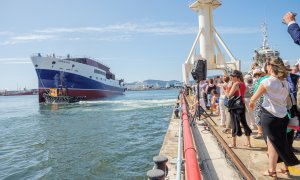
113	138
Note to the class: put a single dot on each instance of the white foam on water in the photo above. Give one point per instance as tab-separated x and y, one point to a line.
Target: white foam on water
144	104
127	105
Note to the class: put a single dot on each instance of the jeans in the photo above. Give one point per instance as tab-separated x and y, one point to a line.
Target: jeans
209	97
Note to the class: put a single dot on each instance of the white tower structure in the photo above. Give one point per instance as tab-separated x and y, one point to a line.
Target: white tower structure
208	40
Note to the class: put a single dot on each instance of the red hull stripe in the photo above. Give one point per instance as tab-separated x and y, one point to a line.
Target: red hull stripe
90	94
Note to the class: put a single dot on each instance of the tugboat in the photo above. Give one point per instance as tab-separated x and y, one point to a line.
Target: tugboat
60	96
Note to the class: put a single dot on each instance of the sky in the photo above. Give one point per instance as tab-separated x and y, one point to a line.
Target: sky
138	39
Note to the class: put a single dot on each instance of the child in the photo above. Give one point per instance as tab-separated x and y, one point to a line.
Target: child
215	102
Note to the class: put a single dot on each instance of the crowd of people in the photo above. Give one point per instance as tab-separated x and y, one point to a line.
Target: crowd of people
269	99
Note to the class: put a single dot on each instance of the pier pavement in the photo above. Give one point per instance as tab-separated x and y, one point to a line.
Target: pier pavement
212	156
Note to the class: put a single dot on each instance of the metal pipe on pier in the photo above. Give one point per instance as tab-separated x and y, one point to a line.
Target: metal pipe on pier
178	171
190	155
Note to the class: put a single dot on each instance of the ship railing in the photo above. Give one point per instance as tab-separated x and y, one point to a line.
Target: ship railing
48	55
68	57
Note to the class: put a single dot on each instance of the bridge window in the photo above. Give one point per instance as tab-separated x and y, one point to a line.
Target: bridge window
98	72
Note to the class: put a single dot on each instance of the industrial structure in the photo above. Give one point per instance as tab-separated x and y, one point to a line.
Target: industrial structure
210	42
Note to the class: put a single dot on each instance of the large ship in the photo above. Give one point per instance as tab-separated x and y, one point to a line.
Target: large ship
75	77
264	52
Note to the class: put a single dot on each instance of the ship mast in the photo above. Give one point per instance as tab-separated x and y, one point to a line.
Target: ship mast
264	30
261	55
208	40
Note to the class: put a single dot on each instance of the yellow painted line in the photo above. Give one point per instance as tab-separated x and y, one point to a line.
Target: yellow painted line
294	170
258	143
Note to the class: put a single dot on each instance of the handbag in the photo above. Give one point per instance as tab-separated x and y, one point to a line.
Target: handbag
235	102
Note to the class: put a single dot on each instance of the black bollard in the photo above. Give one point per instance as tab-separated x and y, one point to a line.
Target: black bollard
160	163
156	174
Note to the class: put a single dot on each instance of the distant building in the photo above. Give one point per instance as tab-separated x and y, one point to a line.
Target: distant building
168	85
178	84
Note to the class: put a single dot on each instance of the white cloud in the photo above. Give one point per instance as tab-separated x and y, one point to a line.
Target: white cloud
27	38
118	32
31	37
74	39
15	60
115	38
6	33
159	28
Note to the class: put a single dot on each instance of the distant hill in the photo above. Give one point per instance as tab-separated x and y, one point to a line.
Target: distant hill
154	82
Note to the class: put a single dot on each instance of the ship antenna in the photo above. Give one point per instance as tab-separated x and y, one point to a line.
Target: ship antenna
264	31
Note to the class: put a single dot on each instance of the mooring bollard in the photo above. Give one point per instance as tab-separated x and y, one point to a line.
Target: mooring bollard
156	174
160	163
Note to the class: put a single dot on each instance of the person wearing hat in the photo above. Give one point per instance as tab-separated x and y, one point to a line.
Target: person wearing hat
258	75
294	69
237	116
286	63
298	66
293	27
257	72
247	76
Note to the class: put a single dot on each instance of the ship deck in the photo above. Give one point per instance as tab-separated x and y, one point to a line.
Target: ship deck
217	161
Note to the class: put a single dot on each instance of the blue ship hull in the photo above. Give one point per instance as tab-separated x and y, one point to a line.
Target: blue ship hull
76	85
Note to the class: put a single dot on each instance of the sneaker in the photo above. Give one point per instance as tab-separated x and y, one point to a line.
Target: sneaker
258	136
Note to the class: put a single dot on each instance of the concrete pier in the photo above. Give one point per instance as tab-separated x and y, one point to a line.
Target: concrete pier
170	146
214	163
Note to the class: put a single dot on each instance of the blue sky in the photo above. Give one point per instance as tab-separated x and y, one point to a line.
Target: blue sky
138	39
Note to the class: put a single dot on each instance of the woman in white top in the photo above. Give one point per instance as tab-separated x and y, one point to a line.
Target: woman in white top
274	117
